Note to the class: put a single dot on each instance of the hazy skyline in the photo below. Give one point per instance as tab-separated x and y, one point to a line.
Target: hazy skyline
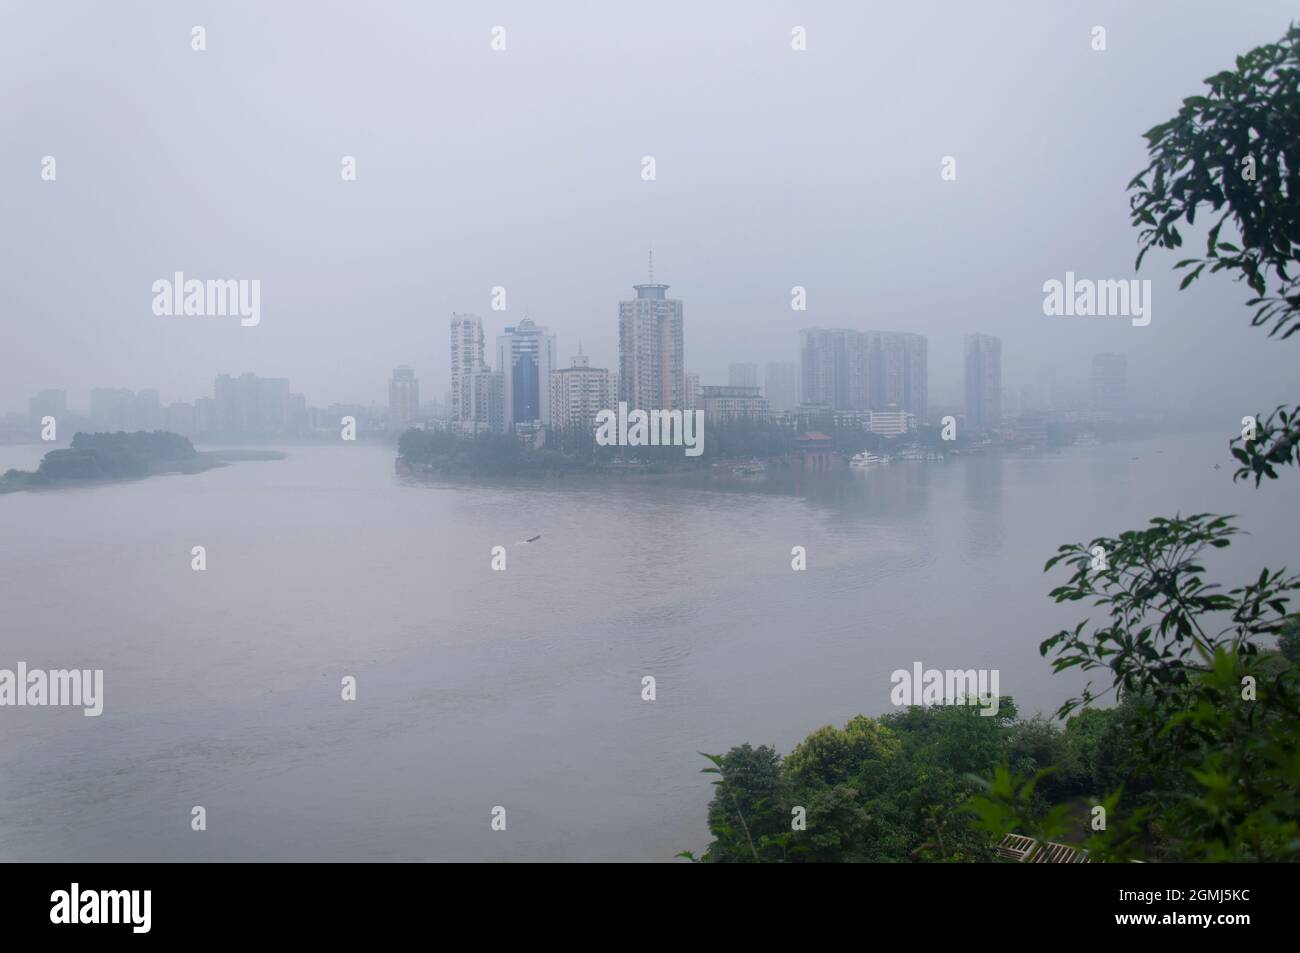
522	168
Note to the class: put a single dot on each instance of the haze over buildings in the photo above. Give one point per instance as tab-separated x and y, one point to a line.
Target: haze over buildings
865	370
983	382
357	277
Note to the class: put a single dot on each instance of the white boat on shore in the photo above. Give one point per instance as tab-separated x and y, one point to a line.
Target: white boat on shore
866	459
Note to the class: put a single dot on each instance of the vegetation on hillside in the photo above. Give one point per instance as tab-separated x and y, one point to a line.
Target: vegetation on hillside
1198	759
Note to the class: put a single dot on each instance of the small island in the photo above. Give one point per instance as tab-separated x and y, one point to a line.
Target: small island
111	457
738	449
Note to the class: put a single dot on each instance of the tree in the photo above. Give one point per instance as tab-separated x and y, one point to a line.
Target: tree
1236	152
1213	715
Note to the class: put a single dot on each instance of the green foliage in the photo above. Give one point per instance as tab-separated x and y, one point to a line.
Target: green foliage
748	812
1276	443
105	456
155	445
1209	718
1158	603
1248	121
878	789
1199	759
485	454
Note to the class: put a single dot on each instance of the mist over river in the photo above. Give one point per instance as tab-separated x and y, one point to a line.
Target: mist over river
520	688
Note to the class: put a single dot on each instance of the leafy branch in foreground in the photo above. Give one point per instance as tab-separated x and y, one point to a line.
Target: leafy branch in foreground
1276	441
1236	151
1159	607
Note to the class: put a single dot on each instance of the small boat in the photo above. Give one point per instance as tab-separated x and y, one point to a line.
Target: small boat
533	539
867	459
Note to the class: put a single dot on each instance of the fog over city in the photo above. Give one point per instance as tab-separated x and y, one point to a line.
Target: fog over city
563	431
522	168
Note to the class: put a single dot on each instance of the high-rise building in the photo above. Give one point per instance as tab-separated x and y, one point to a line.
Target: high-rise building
466	358
824	368
651	364
148	413
725	404
899	372
692	390
1110	383
403	398
526	357
983	382
483	402
578	393
179	418
742	375
781	385
864	370
252	406
205	416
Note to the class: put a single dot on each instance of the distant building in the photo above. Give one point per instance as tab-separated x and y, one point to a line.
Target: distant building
723	405
1110	383
148	411
466	358
205	416
48	403
692	390
781	385
179	418
483	402
742	375
891	423
526	357
403	398
864	370
651	362
898	372
252	406
983	382
816	452
578	393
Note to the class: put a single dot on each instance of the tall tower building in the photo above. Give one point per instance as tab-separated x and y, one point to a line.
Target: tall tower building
249	405
651	366
466	359
983	382
482	402
403	398
781	385
692	390
835	367
742	375
916	376
897	374
578	393
1110	383
526	357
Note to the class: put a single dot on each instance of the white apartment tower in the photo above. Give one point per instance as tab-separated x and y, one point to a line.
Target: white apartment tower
578	393
466	359
651	367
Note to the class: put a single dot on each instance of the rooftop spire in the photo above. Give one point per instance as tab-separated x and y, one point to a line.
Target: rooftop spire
652	264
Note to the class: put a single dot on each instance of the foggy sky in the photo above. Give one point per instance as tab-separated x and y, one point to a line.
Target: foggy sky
522	168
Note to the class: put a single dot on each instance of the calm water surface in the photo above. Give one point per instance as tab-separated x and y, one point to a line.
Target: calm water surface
523	688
